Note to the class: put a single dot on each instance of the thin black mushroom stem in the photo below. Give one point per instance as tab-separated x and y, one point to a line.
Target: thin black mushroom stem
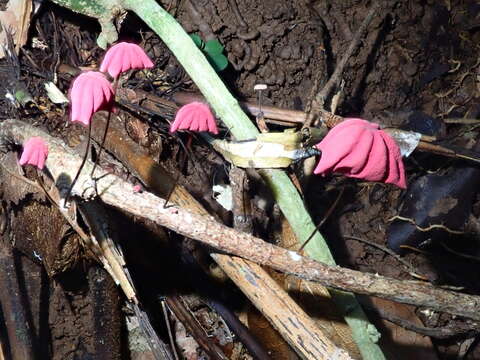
84	160
104	138
102	143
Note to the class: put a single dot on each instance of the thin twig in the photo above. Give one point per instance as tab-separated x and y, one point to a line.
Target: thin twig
320	224
319	100
169	329
438	333
466	256
391	253
428	228
193	326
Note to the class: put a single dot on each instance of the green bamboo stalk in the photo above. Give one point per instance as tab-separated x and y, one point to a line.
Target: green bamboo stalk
227	108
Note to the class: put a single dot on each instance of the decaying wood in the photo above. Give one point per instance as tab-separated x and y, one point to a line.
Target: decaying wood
301	332
107	314
176	305
275	115
93	214
98	242
156	178
17	322
288	117
116	192
317	298
241	205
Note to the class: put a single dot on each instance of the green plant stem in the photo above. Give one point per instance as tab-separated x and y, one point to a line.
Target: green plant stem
227	108
286	195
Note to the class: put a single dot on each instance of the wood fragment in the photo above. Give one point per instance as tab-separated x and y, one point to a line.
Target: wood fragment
176	305
447	332
106	301
17	323
303	334
95	219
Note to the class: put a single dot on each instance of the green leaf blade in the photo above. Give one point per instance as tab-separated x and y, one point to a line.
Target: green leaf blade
213	47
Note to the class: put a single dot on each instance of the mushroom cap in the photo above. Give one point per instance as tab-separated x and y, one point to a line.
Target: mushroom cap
359	149
125	56
35	152
90	92
195	116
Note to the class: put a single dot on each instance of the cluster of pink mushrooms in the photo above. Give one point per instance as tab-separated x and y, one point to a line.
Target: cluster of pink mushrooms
91	91
355	148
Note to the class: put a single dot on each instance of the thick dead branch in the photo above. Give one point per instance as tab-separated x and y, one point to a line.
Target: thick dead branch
288	117
274	115
114	191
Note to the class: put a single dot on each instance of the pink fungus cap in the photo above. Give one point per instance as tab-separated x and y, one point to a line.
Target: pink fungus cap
90	92
359	149
195	116
125	56
35	152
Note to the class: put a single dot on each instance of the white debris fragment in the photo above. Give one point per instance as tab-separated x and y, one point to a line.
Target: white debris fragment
407	141
54	93
294	256
223	195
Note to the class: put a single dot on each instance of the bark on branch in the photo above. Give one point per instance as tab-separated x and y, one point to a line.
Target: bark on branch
63	162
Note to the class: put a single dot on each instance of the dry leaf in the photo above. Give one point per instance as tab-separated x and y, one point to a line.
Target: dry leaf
16	19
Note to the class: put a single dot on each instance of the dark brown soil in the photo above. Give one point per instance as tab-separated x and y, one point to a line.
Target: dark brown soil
417	66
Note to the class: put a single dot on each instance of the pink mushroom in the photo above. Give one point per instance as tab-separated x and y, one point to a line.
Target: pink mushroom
90	92
195	116
358	149
125	56
35	152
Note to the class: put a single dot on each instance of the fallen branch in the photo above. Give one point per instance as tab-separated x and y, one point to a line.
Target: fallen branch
114	191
